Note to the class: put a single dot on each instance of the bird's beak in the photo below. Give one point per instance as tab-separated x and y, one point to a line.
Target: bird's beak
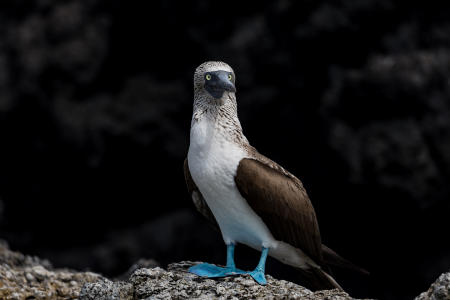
225	83
218	84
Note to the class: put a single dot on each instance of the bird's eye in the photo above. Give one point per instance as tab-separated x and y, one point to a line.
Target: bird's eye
230	76
208	76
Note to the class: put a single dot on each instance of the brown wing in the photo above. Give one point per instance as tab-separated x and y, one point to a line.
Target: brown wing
197	198
281	201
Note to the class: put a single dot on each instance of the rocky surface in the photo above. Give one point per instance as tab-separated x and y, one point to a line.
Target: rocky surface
439	290
177	283
27	277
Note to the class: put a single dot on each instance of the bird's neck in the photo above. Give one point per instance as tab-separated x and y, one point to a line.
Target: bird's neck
221	115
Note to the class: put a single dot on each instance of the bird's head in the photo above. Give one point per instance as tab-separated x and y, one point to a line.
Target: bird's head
215	79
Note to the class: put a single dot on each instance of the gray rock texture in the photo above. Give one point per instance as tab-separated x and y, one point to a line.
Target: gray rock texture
439	290
177	283
26	277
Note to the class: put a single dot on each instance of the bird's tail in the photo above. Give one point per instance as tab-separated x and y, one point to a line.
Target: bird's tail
318	279
333	259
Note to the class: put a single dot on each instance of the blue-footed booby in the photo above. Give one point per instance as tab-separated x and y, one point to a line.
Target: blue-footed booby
252	199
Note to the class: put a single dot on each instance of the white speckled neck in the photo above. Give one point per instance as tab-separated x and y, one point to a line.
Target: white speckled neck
221	114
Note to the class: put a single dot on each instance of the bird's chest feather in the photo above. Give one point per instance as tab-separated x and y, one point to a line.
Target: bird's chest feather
213	159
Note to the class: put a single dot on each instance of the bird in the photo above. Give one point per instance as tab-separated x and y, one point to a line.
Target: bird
250	198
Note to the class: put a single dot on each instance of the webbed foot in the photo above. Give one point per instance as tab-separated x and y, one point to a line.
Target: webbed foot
213	271
258	276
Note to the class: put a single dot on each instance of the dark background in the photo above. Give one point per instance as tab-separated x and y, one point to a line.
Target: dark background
353	97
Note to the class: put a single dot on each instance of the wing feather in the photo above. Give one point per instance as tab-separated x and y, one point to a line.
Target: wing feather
280	200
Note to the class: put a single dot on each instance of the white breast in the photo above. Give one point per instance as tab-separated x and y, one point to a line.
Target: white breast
213	161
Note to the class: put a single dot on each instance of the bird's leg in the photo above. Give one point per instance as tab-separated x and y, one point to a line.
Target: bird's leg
231	266
258	273
230	256
211	271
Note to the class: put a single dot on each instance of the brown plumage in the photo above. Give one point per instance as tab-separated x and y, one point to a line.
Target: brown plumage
283	205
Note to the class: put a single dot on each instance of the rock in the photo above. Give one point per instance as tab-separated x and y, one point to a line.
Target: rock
439	290
105	289
177	283
26	277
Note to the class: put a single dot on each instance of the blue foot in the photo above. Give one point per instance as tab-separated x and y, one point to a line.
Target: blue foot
259	277
212	271
258	273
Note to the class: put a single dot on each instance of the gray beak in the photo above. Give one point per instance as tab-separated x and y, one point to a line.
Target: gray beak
218	83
